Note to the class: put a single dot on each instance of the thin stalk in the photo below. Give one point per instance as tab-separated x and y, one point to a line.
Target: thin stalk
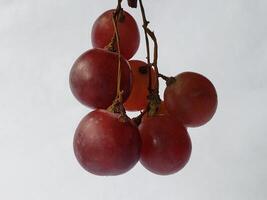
154	98
155	61
169	80
132	3
165	78
117	106
115	19
119	56
145	27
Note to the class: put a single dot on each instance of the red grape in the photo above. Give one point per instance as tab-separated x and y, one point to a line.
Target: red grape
138	97
103	32
166	145
104	145
93	78
192	99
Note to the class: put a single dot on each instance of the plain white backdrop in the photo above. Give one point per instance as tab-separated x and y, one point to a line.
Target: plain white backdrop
226	40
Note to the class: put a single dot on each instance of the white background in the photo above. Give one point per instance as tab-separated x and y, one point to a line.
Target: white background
226	40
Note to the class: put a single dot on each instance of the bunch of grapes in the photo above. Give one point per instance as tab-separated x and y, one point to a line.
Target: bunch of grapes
107	79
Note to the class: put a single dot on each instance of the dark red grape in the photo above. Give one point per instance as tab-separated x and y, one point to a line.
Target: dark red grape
192	99
166	145
103	32
93	78
104	145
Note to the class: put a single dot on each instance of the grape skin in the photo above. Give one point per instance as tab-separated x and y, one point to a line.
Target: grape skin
103	32
166	145
93	78
192	99
104	145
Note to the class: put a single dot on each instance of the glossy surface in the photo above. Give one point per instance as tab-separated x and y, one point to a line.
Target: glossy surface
166	145
192	99
103	31
103	145
138	97
93	78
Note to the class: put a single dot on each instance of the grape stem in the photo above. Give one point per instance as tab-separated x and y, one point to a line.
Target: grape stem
132	3
155	62
154	98
116	14
119	8
145	25
117	105
115	24
168	80
165	78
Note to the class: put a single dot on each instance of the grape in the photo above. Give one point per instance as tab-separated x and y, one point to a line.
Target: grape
192	99
138	97
103	32
93	78
166	145
104	145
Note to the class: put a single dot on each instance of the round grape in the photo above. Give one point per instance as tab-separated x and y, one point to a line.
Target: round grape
104	145
192	99
94	75
103	32
166	145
